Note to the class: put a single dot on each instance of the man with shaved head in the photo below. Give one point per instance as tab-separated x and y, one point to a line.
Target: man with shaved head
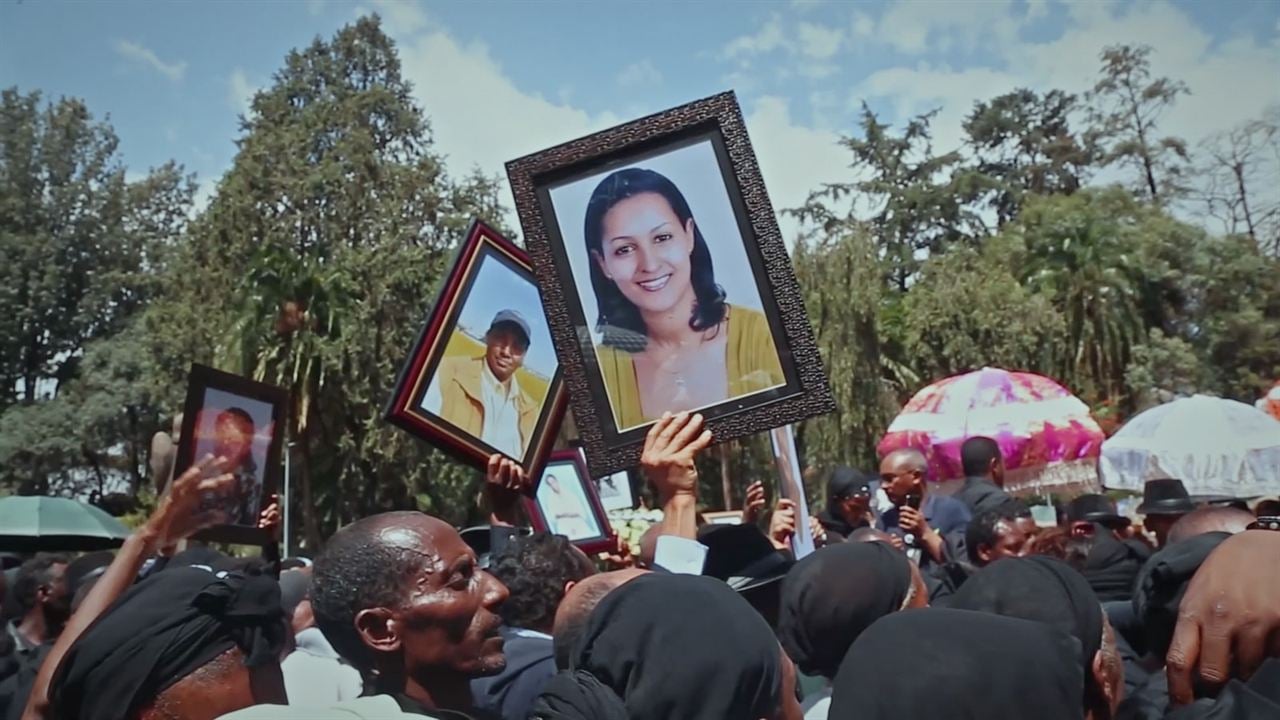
1215	518
402	598
571	616
930	523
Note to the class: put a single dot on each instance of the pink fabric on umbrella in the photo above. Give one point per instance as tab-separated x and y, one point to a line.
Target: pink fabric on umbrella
1045	433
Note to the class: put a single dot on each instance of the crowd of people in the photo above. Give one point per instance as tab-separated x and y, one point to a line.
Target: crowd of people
915	604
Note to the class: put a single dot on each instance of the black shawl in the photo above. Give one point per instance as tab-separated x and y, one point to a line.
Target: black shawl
959	665
160	631
834	594
669	647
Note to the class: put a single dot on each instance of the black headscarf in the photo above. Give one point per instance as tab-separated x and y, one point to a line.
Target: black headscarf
669	647
1162	583
1111	567
160	631
834	594
960	665
1041	589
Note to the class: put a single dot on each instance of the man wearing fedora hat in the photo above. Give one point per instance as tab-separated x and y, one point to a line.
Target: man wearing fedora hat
481	394
1086	510
1163	501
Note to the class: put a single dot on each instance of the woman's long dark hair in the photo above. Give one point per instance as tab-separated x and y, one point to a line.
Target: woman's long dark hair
618	319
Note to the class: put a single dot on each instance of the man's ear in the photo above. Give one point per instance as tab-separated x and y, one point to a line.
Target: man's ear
379	629
569	585
984	554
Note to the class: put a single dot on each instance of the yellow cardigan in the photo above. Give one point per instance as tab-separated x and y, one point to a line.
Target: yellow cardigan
750	353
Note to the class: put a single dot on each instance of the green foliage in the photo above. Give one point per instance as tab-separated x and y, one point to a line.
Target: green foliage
968	312
329	233
83	252
1164	368
1023	142
314	264
81	246
841	277
917	202
1128	104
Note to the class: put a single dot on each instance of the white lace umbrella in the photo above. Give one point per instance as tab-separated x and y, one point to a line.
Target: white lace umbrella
1214	446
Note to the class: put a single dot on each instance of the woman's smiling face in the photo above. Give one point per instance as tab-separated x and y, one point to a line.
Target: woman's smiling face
645	250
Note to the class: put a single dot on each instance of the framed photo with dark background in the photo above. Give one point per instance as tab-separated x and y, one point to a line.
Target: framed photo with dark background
566	503
666	282
483	376
243	421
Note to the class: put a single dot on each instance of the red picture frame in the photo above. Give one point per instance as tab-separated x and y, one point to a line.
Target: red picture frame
407	407
598	535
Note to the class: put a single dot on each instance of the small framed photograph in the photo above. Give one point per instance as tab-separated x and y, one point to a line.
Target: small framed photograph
242	421
666	282
616	491
565	503
483	376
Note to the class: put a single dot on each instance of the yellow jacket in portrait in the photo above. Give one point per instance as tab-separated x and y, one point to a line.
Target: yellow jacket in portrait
751	355
461	403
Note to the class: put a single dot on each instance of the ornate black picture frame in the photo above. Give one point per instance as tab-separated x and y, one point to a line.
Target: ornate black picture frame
716	124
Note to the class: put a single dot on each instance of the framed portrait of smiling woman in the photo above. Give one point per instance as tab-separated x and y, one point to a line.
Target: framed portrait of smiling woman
666	282
483	377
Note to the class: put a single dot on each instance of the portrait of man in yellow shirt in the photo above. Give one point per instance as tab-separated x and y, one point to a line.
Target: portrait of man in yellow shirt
480	393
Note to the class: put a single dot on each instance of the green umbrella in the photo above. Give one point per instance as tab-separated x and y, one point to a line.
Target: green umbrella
39	523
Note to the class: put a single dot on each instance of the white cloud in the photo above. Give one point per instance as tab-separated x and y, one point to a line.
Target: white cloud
401	16
641	73
794	160
1181	50
133	51
915	27
818	42
864	26
768	38
508	124
240	92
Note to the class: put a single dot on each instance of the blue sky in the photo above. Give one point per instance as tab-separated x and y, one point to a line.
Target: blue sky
501	79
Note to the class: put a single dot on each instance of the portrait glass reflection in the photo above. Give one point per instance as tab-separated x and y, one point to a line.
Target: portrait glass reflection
672	305
239	430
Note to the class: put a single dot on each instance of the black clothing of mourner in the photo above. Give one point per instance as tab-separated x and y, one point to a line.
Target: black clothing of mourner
1041	589
1259	698
962	665
668	647
530	664
979	494
412	707
1111	567
1163	581
1157	594
161	630
834	594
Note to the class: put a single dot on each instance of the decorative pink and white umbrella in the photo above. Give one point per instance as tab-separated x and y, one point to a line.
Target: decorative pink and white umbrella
1046	434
